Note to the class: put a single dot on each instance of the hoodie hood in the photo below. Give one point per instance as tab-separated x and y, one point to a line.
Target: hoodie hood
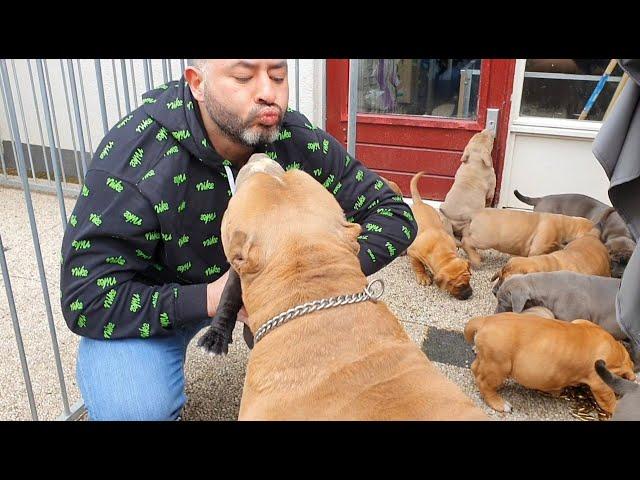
174	108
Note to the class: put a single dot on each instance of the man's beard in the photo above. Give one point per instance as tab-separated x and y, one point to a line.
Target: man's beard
238	130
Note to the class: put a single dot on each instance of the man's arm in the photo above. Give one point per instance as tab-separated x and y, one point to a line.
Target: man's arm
388	226
109	243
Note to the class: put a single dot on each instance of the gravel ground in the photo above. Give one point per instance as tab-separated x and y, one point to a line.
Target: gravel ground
214	385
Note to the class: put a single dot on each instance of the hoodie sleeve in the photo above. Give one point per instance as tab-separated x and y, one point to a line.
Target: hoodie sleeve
388	226
109	243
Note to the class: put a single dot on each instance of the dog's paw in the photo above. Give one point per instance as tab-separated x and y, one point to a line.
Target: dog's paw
507	408
214	342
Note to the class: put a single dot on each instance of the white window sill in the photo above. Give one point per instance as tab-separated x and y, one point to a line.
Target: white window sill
558	127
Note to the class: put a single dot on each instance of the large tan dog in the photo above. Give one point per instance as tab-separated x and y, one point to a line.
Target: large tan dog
520	233
543	354
586	254
288	239
474	184
433	253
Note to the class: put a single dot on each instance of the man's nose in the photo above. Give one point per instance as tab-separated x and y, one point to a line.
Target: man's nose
266	92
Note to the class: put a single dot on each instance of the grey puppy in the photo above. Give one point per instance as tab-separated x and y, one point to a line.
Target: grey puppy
615	234
569	295
628	407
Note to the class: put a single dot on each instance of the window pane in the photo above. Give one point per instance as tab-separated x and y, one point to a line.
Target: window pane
441	87
561	87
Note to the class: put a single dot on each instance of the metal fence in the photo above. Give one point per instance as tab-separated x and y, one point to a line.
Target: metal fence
40	163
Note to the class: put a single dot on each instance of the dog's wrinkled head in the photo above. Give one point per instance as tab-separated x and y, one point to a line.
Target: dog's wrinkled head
512	295
273	212
479	148
620	251
454	277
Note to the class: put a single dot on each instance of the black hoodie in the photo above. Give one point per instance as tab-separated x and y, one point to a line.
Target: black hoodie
143	241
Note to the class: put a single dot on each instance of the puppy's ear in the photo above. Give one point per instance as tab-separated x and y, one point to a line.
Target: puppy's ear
486	158
518	300
243	253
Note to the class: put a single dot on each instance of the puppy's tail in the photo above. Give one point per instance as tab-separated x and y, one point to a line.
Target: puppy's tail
618	384
472	327
528	200
413	186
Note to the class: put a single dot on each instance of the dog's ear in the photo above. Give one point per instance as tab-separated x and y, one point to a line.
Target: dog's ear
518	300
486	158
351	232
243	252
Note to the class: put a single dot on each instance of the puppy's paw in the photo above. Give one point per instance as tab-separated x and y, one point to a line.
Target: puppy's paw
507	408
215	342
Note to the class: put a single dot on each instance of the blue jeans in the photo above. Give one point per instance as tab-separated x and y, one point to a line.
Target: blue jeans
135	379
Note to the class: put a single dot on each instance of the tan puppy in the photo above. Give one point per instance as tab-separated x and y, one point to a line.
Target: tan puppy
543	354
586	254
288	239
474	184
520	233
433	252
393	185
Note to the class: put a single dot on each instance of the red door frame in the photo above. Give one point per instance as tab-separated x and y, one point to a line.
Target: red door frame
397	146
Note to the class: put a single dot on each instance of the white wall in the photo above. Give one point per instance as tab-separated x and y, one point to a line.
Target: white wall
545	165
311	96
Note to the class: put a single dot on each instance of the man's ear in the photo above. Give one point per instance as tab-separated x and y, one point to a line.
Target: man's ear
243	253
195	78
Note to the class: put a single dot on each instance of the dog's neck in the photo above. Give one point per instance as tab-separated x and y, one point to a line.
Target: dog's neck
313	272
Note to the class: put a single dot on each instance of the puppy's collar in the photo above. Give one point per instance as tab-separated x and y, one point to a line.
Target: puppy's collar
369	293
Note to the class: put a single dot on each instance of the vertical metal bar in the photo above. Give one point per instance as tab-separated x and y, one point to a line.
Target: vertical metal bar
76	109
24	123
353	106
52	149
73	135
34	228
170	69
164	70
183	65
147	79
5	101
115	84
55	123
16	331
297	63
151	72
84	103
35	103
103	108
4	165
133	81
125	85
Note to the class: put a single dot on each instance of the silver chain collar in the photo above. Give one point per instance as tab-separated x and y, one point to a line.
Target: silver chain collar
367	294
